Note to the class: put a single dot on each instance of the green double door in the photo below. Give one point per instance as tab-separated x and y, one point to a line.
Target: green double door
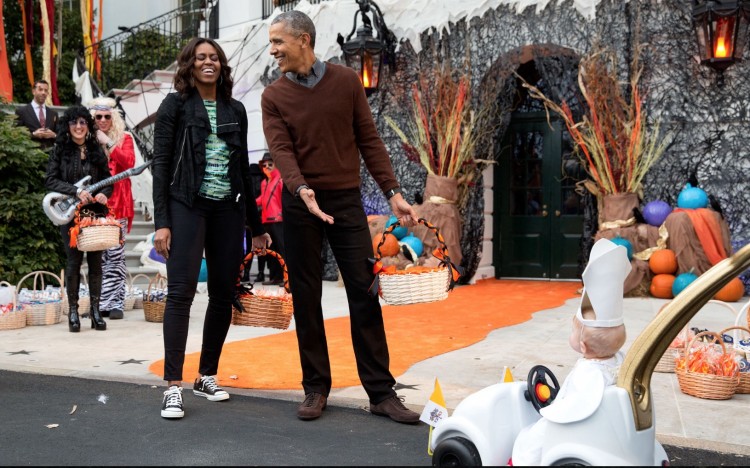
538	213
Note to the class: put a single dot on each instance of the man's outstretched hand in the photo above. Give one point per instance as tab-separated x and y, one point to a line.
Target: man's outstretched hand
405	213
308	196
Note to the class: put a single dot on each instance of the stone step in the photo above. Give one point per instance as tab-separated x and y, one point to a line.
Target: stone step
133	259
132	241
141	223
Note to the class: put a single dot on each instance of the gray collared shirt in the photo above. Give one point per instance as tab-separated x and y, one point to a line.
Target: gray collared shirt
313	78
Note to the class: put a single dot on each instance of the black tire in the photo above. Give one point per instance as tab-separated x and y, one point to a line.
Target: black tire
456	451
570	462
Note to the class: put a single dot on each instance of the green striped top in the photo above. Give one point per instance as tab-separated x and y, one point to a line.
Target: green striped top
215	185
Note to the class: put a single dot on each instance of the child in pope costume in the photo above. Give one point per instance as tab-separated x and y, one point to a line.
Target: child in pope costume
598	333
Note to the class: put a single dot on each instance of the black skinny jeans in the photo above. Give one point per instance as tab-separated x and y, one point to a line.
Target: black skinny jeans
349	237
218	228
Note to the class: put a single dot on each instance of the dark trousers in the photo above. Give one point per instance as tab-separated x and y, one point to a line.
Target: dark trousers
218	228
276	231
73	268
349	237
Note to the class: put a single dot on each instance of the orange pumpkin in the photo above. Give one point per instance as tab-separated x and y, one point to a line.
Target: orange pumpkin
661	286
732	291
389	248
663	261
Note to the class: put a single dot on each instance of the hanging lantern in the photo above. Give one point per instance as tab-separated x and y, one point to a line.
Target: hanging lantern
721	27
366	53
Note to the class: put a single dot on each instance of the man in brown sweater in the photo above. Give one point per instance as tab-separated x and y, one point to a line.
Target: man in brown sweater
317	122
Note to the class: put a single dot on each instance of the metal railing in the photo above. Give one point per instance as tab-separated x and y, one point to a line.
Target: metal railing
285	5
139	50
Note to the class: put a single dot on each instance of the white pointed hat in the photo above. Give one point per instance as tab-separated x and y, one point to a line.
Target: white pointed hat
603	284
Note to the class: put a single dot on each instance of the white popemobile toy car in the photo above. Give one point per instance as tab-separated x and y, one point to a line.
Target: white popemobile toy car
620	430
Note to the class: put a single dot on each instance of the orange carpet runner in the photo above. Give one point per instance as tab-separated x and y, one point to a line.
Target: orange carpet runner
415	333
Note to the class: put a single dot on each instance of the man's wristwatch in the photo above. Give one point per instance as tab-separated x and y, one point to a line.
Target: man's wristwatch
299	189
390	193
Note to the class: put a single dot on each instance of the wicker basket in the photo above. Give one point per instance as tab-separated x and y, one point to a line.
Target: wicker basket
46	312
744	311
422	286
16	318
401	289
153	311
99	237
668	360
263	311
707	386
137	297
744	385
266	312
95	229
129	302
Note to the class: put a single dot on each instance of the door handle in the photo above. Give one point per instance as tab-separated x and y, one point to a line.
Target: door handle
557	213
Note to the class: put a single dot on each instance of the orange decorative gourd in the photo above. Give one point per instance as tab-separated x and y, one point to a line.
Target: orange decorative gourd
389	248
661	286
663	261
731	292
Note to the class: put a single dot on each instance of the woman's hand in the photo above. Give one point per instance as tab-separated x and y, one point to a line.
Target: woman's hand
262	242
163	241
85	197
101	198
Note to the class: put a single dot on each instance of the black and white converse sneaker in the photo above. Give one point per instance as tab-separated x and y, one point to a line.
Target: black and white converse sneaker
206	387
171	407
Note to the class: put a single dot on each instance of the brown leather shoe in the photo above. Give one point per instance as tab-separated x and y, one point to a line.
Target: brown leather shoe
312	407
395	409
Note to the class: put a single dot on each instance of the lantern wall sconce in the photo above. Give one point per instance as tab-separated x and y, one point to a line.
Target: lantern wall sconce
721	27
366	53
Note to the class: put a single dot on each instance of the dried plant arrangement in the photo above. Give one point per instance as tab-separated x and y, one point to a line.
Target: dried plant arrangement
441	135
612	139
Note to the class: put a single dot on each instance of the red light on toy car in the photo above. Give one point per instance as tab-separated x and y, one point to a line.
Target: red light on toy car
542	392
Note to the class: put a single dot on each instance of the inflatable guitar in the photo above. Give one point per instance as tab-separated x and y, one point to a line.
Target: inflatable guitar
60	208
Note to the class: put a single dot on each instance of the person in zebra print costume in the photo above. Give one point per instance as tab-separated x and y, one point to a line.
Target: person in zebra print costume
118	145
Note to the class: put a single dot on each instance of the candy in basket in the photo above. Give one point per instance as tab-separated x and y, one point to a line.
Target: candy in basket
262	308
417	283
706	371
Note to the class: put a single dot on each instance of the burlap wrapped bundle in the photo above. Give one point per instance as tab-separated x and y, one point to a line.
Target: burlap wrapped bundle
440	209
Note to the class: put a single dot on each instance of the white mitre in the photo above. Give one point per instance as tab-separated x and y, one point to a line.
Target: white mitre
603	284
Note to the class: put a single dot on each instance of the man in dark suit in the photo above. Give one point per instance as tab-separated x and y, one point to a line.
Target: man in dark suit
38	118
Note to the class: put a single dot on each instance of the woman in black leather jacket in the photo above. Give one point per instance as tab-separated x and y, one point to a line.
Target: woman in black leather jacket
202	198
77	154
